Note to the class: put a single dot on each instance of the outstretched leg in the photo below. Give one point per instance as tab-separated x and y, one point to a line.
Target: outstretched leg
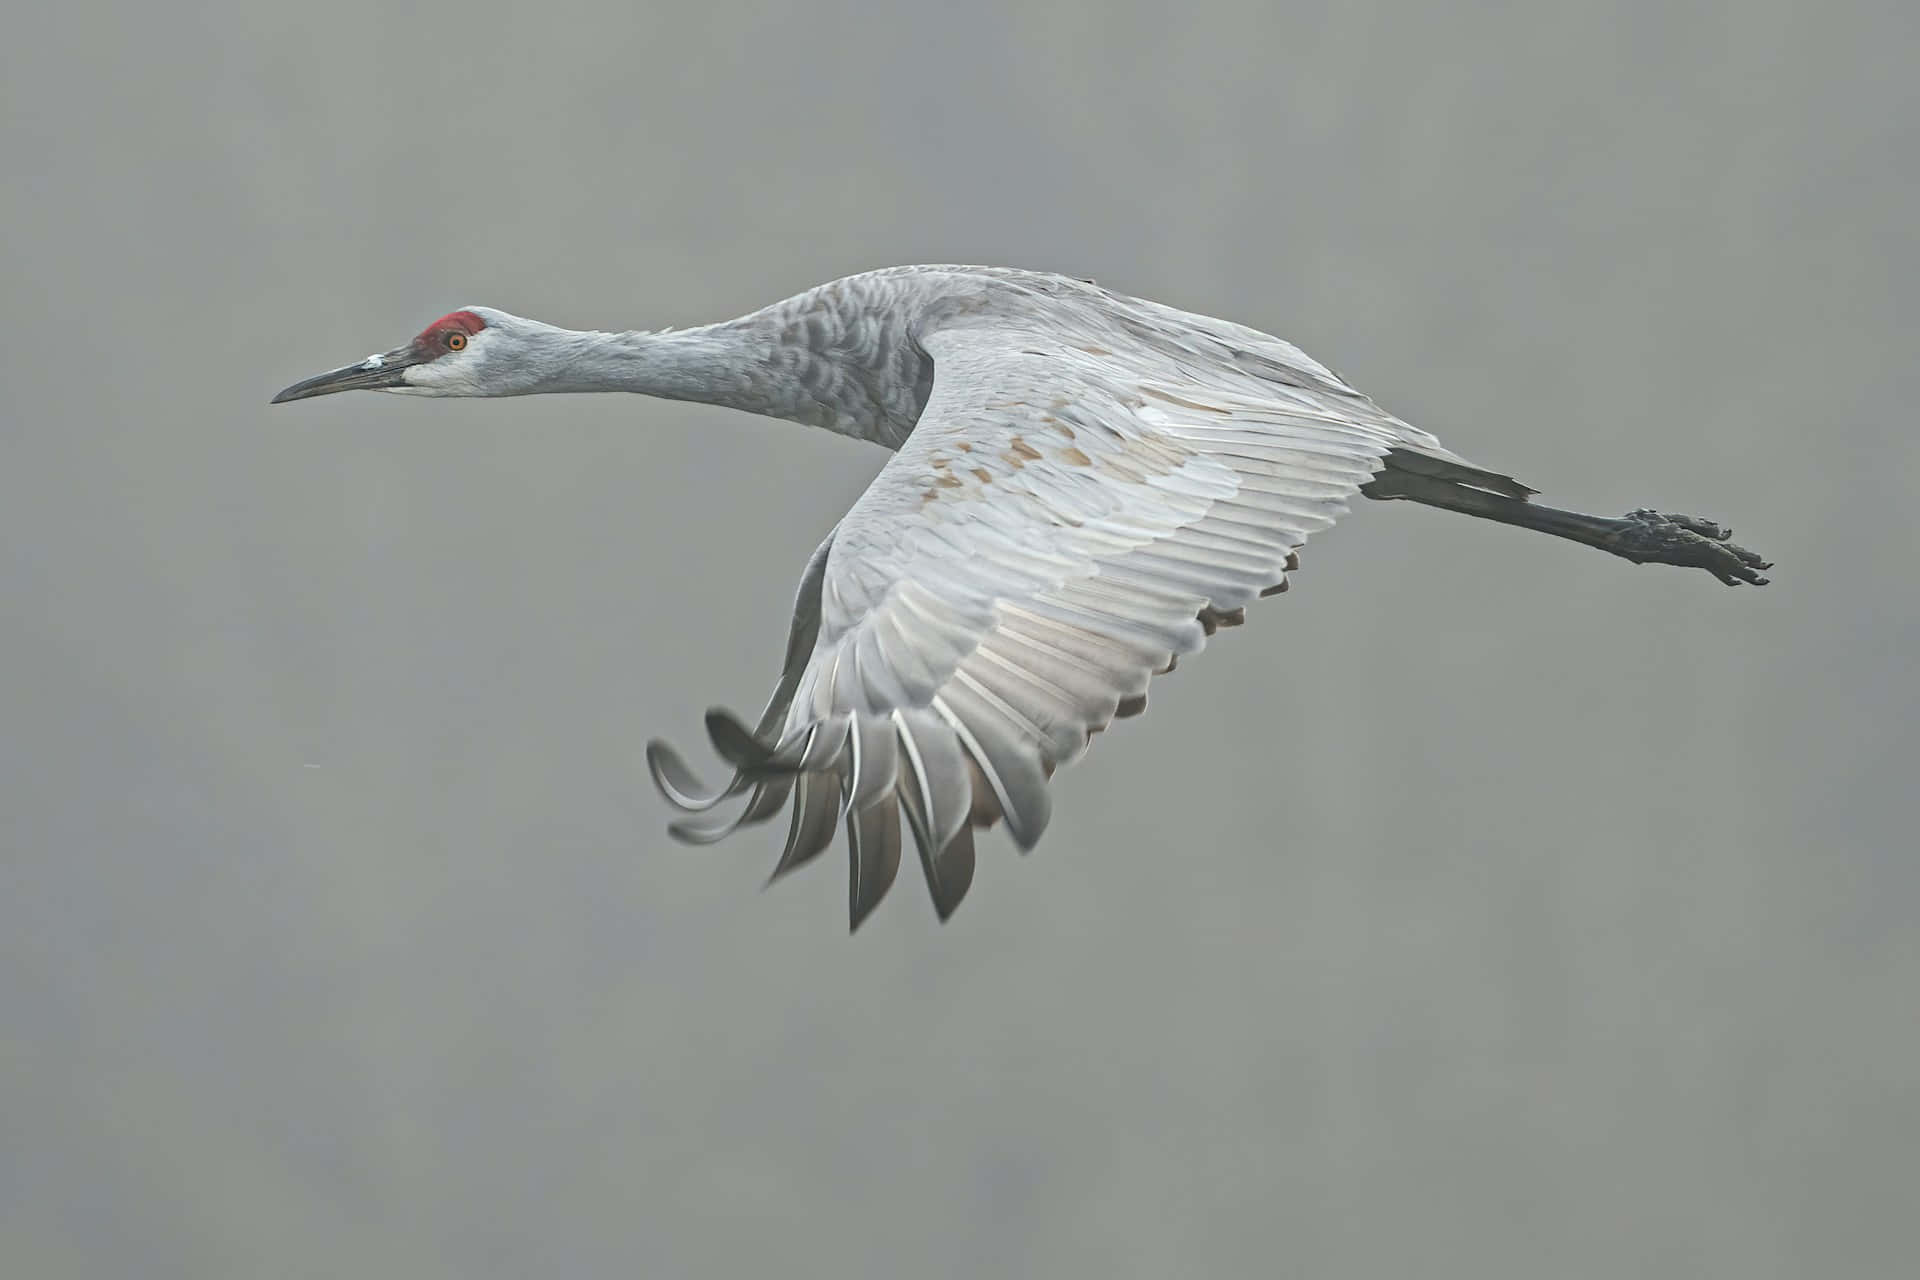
1643	536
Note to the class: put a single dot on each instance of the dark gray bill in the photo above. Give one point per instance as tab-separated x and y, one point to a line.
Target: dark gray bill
371	374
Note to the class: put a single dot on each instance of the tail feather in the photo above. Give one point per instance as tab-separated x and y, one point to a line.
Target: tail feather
1439	465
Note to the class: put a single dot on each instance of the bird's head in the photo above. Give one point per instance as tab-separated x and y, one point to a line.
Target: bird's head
476	351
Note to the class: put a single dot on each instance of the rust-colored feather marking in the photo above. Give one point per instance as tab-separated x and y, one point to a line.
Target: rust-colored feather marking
1167	397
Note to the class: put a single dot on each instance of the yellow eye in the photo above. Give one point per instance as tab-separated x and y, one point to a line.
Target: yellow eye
455	341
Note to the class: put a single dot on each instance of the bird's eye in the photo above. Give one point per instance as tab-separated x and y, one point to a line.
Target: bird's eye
456	341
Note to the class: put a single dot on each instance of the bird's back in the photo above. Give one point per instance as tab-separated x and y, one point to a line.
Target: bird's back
853	347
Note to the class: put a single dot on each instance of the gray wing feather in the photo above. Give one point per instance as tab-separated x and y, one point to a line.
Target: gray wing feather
873	847
768	798
816	811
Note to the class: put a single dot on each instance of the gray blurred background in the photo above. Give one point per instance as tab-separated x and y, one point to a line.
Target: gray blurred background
1489	908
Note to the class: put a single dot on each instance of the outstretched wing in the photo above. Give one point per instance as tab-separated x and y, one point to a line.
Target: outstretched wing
1073	512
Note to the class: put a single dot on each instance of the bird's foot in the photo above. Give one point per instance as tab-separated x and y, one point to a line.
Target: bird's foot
1653	537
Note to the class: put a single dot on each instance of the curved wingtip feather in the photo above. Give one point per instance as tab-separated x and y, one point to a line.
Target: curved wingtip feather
734	741
678	783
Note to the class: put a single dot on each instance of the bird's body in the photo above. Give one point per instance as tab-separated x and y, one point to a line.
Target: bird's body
1084	486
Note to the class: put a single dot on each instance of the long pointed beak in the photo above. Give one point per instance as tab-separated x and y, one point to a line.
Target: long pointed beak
375	373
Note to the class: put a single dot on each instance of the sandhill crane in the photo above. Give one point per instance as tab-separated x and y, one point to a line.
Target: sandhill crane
1084	486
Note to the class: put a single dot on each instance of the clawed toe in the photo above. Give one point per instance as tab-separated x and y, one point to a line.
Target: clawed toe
1654	537
1692	524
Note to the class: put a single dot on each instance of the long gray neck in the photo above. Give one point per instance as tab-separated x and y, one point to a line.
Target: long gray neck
711	365
745	364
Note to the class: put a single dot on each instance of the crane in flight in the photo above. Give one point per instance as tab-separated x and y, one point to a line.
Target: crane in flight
1083	487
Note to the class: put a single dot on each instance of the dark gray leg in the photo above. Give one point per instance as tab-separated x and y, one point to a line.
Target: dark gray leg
1644	536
